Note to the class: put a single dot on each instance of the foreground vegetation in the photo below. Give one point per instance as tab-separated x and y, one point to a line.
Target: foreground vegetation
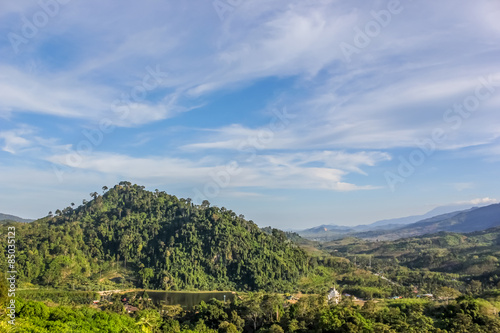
264	313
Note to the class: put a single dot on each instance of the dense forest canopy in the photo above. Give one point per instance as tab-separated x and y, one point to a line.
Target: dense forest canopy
170	243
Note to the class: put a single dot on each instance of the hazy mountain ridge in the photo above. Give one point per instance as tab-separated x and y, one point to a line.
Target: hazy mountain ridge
471	220
467	220
327	227
438	211
8	217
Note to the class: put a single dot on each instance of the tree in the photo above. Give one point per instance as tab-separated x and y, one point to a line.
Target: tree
271	306
253	311
125	183
447	293
35	309
226	327
237	320
275	328
344	319
293	325
475	287
212	313
149	320
146	274
171	326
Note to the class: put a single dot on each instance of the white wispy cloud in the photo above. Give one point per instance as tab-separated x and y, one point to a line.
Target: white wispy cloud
349	117
61	96
259	40
319	170
479	201
25	140
15	140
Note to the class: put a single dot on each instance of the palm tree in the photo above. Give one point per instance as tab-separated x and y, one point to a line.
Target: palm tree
149	320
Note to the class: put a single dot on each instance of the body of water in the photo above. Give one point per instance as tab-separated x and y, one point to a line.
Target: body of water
188	299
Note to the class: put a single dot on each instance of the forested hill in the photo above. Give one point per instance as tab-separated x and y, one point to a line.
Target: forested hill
165	242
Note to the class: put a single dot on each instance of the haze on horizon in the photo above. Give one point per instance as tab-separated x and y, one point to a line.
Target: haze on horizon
292	113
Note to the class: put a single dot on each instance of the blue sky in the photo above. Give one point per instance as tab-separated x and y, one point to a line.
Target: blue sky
292	113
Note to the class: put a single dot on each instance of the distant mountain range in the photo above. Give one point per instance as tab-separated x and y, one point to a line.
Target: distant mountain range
327	228
465	219
7	217
438	211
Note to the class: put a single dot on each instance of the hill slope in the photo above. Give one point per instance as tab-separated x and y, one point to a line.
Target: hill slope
164	241
473	254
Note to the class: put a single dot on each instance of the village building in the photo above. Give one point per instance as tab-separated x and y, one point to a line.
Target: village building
334	296
130	309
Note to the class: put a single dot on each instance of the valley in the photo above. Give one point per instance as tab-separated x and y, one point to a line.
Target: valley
170	261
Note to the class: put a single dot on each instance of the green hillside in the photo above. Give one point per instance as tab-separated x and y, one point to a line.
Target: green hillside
470	257
154	240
